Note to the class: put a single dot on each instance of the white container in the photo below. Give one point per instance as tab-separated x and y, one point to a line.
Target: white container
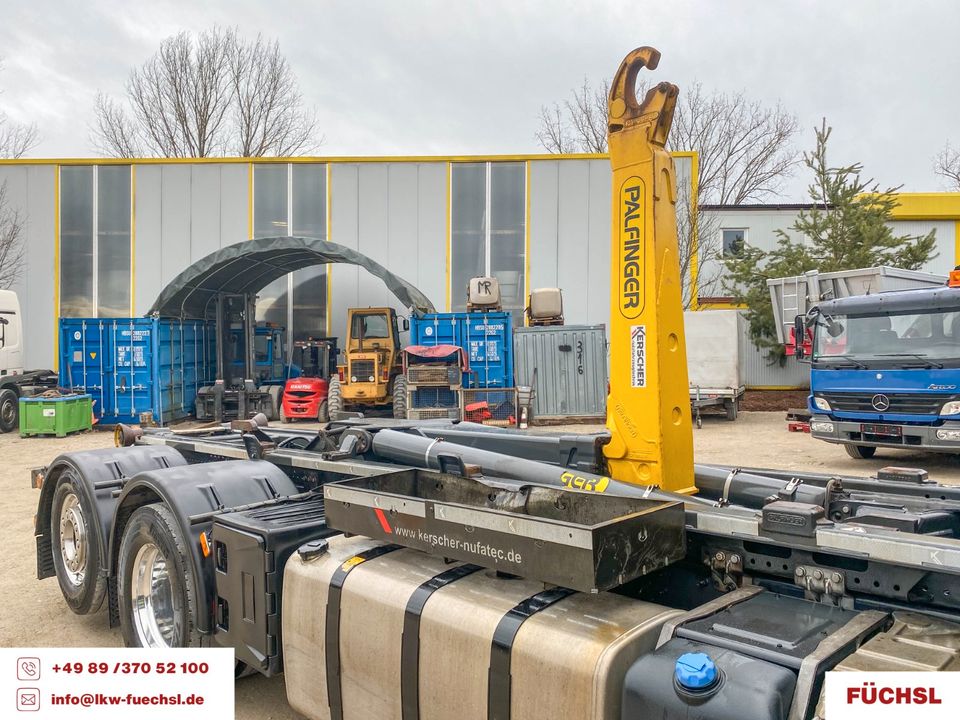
713	350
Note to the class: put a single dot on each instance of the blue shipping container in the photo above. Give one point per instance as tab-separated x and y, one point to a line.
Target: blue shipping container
487	338
134	365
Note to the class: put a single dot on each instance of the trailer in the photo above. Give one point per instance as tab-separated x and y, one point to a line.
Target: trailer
432	569
713	361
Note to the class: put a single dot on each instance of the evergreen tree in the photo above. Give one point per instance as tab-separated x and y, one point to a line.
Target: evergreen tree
847	228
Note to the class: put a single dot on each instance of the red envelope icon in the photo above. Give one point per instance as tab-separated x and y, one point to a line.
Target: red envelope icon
28	699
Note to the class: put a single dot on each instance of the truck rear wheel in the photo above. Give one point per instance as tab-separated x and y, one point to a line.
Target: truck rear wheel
9	410
156	584
334	399
860	452
76	550
400	397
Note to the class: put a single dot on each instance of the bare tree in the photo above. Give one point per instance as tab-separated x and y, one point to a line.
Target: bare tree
947	165
206	96
16	139
745	150
12	253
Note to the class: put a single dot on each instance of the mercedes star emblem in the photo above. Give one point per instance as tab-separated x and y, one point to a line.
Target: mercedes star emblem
880	403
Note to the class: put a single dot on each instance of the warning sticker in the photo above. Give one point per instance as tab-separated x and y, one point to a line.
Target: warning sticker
638	356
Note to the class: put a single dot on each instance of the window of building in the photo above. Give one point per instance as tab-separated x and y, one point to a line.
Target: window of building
291	199
95	241
733	241
487	230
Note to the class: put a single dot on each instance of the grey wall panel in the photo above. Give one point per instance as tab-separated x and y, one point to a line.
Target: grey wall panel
174	221
39	314
234	203
344	209
432	235
946	240
544	180
148	253
598	242
573	211
204	210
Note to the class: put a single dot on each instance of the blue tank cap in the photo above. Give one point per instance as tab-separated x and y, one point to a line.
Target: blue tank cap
695	671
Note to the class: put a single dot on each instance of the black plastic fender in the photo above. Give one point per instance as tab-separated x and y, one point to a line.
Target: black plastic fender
100	474
195	494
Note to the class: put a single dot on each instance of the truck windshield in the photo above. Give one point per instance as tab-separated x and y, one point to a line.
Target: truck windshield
906	338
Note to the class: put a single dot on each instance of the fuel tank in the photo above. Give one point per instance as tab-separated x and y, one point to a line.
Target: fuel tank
373	630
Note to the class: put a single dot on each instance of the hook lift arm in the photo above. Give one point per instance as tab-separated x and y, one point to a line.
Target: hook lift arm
648	410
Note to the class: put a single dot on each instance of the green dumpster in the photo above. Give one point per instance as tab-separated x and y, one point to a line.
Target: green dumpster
55	415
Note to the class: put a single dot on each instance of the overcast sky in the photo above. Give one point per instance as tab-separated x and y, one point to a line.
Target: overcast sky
453	77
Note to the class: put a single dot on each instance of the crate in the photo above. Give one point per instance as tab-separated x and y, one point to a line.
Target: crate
490	406
434	375
434	413
58	416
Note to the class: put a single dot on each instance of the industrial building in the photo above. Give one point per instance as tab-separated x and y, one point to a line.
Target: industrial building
104	237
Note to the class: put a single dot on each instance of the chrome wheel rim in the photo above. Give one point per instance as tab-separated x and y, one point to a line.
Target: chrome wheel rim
73	540
155	617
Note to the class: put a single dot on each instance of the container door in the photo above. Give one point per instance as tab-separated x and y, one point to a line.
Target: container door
85	361
486	338
132	340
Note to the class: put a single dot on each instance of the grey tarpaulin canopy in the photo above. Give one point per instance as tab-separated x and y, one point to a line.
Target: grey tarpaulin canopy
250	265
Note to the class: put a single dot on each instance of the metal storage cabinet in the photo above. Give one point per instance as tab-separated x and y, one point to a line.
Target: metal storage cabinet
486	337
134	365
570	362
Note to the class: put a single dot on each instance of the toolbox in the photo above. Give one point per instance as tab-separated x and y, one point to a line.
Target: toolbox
584	541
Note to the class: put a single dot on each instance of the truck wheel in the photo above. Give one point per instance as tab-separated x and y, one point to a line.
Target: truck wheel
334	399
860	452
323	412
400	397
283	415
9	410
730	406
155	583
76	550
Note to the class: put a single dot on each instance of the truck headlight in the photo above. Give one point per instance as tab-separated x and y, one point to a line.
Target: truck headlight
353	378
821	403
371	378
948	434
824	427
951	408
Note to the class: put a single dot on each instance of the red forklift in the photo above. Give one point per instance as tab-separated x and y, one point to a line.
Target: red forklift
305	397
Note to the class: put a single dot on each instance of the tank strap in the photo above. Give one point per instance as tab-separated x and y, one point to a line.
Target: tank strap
410	644
332	630
498	677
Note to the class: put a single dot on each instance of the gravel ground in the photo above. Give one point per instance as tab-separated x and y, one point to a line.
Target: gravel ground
32	613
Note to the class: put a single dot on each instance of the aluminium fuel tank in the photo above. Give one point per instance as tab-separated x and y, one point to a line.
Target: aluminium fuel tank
373	630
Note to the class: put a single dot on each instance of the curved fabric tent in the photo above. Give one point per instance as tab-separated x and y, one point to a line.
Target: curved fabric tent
250	265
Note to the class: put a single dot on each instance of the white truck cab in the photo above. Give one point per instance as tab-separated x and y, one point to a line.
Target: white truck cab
11	334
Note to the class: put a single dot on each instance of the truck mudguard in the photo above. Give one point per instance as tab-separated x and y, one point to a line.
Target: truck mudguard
97	474
195	494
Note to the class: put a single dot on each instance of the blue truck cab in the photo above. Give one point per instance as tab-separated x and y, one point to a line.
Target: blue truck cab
885	370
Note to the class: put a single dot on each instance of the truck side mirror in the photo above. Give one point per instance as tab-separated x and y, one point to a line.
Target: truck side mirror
404	324
799	335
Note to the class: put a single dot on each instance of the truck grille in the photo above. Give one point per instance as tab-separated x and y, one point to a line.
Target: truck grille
362	370
901	403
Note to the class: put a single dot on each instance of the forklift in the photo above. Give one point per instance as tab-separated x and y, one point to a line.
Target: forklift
250	365
305	397
372	376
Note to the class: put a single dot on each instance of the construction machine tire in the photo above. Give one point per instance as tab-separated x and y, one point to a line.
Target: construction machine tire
860	452
276	395
400	397
9	410
323	412
334	399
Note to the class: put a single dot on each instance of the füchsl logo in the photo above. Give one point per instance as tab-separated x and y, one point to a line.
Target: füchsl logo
870	693
892	695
